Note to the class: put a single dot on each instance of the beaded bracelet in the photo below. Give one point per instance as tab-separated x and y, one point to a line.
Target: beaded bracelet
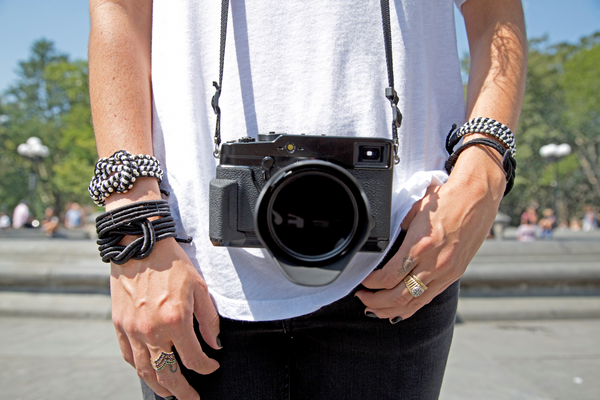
490	127
132	220
509	164
118	172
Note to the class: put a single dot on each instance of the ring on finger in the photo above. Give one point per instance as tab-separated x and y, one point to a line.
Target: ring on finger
163	360
414	285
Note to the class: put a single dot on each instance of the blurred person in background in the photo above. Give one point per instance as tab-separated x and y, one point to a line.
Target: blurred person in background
50	222
4	221
590	222
20	215
575	225
526	231
74	216
530	214
547	223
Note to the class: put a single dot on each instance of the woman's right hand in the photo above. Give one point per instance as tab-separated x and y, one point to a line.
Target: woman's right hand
154	301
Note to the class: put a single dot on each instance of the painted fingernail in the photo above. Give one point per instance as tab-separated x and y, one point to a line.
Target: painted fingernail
394	321
171	398
371	314
218	340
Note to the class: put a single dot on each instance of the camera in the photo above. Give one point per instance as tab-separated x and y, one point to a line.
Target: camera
312	201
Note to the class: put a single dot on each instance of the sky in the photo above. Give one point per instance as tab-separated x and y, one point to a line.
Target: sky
66	23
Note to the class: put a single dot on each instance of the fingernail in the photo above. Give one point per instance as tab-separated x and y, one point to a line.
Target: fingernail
371	314
394	321
170	398
218	340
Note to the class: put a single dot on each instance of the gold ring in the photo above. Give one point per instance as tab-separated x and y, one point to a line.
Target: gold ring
414	285
163	360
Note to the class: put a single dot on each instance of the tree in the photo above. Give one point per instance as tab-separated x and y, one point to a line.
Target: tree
49	100
561	105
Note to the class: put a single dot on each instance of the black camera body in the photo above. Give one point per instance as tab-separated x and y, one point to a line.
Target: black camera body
312	201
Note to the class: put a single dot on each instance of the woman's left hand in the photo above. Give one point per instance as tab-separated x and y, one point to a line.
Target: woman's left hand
445	230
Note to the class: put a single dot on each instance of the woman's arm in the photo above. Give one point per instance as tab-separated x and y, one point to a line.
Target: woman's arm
450	223
154	299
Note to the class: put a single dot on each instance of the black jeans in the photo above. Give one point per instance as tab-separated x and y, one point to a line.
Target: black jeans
334	353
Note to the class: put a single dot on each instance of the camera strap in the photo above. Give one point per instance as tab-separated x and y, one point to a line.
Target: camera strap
390	92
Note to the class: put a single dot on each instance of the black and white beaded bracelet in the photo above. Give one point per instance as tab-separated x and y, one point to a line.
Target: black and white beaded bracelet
509	164
490	127
118	172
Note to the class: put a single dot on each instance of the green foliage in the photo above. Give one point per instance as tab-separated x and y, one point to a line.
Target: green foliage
562	105
49	100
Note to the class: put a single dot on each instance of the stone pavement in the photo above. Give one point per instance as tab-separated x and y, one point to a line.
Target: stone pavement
73	359
529	323
524	360
63	359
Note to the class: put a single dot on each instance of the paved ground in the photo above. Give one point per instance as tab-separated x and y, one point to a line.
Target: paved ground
525	360
530	323
68	359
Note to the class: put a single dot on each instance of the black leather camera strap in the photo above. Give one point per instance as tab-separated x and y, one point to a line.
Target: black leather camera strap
390	93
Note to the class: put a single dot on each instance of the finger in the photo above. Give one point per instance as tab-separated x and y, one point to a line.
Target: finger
124	344
393	272
191	354
144	369
169	376
398	296
207	316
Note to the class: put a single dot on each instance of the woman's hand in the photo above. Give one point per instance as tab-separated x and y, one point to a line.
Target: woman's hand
445	230
154	302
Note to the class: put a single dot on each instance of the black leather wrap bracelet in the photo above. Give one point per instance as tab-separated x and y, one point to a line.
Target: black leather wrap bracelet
133	220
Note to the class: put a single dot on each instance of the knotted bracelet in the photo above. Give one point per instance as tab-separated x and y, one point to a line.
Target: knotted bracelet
509	164
133	220
118	172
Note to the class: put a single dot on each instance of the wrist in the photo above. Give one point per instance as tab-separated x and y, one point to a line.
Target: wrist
479	171
144	189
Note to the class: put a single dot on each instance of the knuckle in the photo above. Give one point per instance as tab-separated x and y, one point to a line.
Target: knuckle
173	318
145	374
389	281
202	285
424	244
194	364
214	319
417	304
144	329
128	358
127	326
399	300
168	381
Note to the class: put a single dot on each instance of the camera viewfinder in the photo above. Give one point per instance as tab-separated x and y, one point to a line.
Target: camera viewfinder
370	155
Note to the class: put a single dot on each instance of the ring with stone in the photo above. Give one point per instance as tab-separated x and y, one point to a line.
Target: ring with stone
163	360
414	285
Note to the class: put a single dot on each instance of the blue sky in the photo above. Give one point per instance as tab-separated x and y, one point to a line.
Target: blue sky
66	22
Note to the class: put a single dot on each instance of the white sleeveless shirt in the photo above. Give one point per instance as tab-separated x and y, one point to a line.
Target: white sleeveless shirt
314	67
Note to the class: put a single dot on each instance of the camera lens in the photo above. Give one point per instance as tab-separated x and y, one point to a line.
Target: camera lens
312	214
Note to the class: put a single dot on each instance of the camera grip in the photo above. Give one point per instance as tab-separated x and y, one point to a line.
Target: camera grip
223	199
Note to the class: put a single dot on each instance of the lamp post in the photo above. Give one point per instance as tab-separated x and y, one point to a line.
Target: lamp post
553	152
35	151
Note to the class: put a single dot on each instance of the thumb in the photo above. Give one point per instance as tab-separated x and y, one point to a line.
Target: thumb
207	317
